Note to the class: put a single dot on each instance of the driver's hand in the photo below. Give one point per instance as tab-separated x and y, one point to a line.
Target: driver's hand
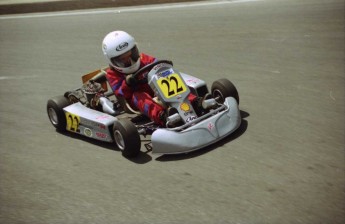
130	80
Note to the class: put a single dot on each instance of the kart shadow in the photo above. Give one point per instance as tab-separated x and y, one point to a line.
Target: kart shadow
240	131
102	144
142	158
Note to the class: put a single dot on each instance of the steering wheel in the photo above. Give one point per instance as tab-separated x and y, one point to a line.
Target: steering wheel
150	66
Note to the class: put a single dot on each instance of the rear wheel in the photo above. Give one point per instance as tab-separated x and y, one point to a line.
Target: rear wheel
223	88
126	138
55	112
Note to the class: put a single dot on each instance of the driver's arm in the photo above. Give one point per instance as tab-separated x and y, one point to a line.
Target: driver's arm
118	84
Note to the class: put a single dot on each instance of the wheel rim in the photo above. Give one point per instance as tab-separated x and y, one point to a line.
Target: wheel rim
53	116
218	96
120	142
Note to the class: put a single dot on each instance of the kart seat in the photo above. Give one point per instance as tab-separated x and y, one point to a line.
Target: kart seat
98	76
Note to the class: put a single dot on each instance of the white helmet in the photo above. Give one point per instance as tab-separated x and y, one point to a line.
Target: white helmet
117	45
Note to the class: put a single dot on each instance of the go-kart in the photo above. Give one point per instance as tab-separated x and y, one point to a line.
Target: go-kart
94	111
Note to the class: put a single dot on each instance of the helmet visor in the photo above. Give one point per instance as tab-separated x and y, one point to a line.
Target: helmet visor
127	59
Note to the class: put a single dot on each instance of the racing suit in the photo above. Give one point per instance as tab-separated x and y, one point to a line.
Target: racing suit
140	95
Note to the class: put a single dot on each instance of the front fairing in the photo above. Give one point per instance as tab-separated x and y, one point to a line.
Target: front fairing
200	134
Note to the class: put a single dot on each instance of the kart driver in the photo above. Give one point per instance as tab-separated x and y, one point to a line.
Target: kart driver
124	58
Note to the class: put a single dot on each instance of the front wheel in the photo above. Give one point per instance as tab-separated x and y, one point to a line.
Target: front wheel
126	138
55	112
223	88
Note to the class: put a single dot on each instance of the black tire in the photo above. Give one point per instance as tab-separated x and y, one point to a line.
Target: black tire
126	138
223	88
55	112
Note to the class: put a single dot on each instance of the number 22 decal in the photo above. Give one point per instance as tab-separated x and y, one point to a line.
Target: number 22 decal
171	85
72	122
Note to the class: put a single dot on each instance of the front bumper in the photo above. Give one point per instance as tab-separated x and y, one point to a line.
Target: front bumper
199	135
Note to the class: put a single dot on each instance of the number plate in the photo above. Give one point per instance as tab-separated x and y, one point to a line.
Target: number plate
72	122
171	85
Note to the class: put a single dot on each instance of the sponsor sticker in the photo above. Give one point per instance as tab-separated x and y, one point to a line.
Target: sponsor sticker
88	132
191	118
210	126
165	73
101	135
185	107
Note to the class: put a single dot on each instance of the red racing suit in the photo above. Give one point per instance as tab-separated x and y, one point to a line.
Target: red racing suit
140	95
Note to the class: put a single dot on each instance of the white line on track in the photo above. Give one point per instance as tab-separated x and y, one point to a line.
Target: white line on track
126	9
18	77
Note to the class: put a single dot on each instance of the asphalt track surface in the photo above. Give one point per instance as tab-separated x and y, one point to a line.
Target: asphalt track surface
284	165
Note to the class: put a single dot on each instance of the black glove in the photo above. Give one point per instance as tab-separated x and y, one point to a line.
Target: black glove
130	80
